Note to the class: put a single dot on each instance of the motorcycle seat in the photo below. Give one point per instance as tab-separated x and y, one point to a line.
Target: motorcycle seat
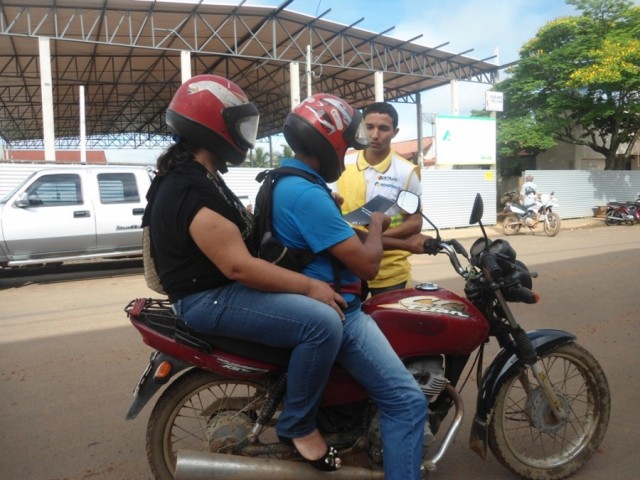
159	316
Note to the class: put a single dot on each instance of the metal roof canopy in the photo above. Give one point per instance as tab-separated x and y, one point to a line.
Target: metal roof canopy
127	55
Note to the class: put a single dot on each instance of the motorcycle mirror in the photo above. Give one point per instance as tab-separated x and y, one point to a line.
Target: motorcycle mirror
409	202
477	210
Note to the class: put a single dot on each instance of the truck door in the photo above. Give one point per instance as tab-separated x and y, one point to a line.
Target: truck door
58	219
119	211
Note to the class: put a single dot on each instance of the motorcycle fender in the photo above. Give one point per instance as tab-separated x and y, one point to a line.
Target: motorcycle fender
503	367
149	384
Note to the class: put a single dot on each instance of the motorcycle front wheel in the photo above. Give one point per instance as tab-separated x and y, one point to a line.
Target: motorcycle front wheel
201	411
612	217
511	224
524	434
552	224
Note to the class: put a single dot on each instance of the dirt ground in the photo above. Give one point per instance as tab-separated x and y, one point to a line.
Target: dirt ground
69	359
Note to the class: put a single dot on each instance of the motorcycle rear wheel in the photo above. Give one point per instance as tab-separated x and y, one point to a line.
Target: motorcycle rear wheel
552	224
511	224
526	437
201	411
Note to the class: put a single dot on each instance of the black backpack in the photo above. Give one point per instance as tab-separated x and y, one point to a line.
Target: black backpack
267	246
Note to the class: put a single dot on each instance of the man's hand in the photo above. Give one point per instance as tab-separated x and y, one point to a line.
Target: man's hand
418	243
383	219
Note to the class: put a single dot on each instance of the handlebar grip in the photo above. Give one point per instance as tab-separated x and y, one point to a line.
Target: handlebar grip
522	294
431	246
489	262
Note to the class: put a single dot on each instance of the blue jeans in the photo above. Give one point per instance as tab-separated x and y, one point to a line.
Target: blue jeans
369	358
312	329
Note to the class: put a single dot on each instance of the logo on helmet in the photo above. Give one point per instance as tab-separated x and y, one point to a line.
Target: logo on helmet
226	96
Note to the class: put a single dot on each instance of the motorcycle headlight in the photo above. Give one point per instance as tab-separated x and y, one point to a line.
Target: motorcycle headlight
502	248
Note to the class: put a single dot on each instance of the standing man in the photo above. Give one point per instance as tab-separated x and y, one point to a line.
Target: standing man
378	170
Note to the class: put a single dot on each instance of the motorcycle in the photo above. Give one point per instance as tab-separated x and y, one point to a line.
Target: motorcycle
531	216
542	407
622	212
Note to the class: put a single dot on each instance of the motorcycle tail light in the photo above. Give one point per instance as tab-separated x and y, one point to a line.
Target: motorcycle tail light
163	370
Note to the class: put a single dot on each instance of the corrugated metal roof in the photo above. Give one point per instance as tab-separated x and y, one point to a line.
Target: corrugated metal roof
127	55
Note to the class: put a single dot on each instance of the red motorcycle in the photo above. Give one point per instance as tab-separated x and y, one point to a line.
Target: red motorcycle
622	212
542	408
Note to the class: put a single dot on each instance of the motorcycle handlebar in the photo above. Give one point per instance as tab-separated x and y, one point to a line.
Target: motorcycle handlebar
489	261
453	257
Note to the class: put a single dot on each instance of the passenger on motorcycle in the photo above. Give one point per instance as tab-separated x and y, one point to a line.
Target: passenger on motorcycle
305	216
201	237
529	191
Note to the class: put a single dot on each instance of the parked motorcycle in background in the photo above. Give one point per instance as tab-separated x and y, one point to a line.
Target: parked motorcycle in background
540	212
623	212
542	405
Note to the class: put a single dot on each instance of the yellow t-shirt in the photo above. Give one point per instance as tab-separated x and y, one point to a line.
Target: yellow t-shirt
360	182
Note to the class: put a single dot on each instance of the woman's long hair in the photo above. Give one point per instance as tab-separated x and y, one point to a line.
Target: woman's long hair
180	152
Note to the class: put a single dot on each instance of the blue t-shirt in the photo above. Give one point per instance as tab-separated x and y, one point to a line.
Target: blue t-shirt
306	216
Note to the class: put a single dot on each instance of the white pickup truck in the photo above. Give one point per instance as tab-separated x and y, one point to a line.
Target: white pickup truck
71	213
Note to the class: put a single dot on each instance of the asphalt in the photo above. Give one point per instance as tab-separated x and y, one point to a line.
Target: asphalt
496	230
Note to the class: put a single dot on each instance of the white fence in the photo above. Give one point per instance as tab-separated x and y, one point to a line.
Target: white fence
579	192
447	195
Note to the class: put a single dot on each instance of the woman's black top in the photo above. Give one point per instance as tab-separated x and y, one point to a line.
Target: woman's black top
173	201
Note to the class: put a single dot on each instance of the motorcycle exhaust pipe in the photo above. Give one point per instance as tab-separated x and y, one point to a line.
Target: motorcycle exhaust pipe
193	465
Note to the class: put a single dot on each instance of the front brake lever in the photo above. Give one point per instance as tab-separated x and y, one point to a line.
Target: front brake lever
457	246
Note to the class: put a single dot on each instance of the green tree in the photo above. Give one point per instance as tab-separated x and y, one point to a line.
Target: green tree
286	152
577	81
258	157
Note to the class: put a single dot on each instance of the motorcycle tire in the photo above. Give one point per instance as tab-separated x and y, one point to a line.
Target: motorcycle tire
552	224
201	411
611	217
526	437
511	224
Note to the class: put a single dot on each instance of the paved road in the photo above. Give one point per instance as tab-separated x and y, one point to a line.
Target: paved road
69	360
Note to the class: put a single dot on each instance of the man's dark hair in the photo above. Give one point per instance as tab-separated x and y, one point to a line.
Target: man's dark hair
383	107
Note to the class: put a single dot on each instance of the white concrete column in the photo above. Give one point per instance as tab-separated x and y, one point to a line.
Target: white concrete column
378	79
294	84
83	127
419	124
46	87
308	72
455	105
185	65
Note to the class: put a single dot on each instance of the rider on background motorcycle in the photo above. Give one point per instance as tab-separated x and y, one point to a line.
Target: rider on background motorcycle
305	216
529	191
201	238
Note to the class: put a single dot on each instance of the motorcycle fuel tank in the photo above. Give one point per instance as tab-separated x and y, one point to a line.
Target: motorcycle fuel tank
428	320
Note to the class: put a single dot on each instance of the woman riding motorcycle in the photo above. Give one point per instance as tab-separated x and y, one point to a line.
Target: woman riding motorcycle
201	237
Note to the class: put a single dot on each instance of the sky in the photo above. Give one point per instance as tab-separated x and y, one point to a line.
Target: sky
489	27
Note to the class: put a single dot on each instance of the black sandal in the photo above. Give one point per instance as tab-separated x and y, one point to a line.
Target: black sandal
326	463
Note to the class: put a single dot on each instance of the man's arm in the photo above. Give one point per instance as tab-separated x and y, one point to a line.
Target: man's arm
362	253
412	243
411	225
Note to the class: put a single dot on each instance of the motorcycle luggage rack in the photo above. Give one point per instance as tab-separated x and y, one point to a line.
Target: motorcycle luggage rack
158	315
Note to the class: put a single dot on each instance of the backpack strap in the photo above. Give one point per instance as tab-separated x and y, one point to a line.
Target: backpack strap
291	258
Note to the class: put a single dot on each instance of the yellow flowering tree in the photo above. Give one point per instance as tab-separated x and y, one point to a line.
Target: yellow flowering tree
578	80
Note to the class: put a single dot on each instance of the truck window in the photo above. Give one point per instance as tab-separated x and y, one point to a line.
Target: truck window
118	188
55	190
